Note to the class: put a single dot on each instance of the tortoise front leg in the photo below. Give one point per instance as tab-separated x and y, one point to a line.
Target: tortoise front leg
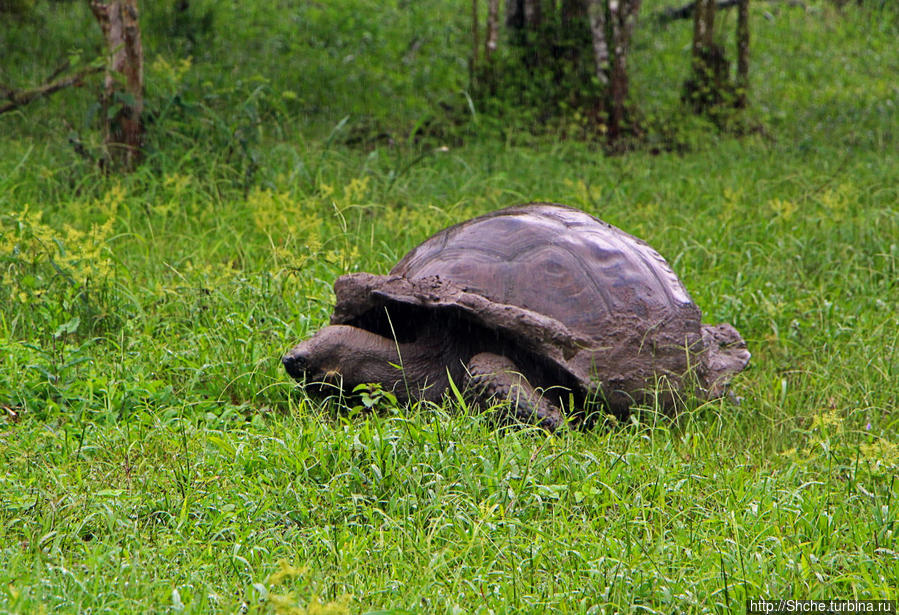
495	376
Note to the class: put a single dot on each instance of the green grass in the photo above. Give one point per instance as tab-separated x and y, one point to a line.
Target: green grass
156	457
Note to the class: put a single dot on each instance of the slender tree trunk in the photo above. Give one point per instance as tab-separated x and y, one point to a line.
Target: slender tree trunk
524	19
612	25
623	20
742	54
533	13
124	131
514	14
599	19
523	14
703	31
710	81
573	10
475	40
571	39
551	42
491	37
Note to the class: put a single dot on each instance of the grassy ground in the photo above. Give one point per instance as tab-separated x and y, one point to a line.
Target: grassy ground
158	459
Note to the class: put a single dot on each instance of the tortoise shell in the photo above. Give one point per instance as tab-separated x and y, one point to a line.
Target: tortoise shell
556	261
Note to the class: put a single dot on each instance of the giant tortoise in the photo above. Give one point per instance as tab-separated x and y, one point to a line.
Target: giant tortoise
540	304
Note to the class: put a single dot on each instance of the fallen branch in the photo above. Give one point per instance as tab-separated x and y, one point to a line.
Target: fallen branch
20	98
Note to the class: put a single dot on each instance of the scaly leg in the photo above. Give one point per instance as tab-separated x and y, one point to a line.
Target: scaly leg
495	376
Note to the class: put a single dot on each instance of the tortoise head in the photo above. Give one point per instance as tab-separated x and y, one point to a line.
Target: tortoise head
726	356
343	356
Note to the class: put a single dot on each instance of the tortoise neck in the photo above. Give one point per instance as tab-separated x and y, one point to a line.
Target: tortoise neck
427	367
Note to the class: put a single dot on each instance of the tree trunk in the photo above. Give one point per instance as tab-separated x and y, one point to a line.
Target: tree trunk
742	54
573	10
611	25
703	30
598	11
475	42
490	38
523	14
524	19
555	47
533	14
710	82
124	131
623	21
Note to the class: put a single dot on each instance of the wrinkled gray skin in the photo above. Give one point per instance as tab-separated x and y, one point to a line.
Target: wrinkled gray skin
541	305
343	357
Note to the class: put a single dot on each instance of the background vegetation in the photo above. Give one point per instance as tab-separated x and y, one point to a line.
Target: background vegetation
158	459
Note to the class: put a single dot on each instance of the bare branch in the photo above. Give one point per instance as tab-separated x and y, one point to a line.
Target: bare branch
673	13
20	98
58	71
686	11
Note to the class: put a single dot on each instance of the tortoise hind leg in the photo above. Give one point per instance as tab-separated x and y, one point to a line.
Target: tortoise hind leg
495	376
